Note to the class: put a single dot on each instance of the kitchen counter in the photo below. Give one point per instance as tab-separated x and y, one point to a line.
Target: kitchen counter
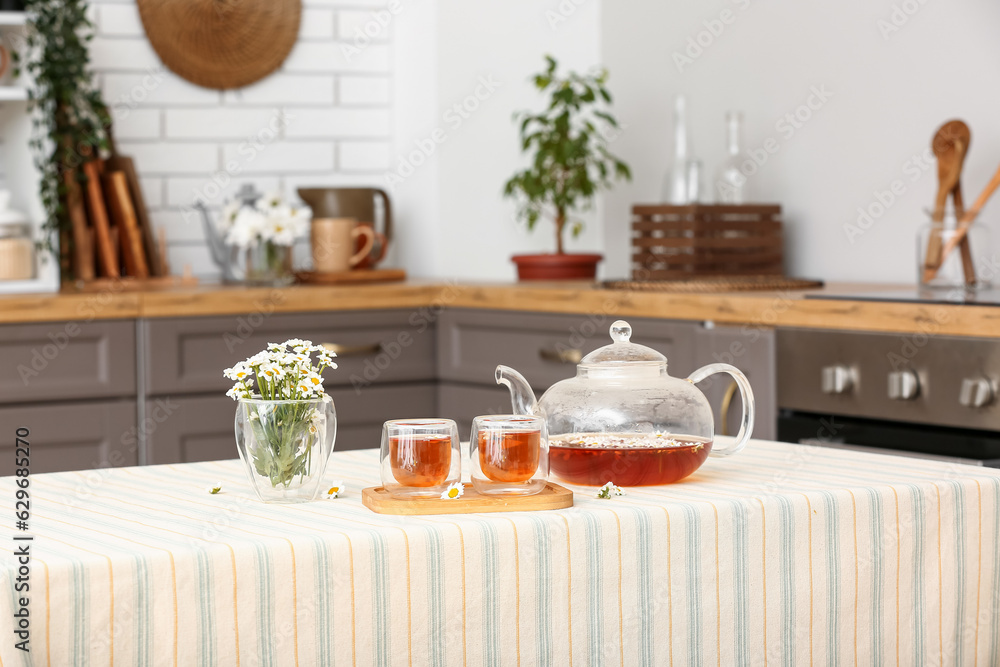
783	554
782	309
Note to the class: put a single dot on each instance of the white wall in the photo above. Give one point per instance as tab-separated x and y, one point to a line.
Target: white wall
889	96
191	142
460	225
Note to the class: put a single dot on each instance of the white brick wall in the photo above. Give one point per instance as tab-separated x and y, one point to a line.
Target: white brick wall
323	119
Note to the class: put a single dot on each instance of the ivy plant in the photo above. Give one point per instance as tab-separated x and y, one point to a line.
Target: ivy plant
69	116
569	141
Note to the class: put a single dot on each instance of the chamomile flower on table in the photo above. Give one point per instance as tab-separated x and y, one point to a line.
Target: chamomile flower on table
214	489
609	490
454	490
335	490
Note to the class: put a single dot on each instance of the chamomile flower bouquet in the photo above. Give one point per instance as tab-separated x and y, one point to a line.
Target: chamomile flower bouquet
285	421
265	230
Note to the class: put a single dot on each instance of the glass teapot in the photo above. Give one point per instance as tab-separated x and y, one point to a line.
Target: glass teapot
624	419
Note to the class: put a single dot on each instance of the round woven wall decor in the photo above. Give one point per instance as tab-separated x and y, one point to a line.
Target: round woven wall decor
222	43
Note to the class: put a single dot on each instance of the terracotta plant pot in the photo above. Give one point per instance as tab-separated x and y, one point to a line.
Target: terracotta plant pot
557	267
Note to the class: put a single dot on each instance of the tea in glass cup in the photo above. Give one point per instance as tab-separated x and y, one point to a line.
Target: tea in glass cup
509	454
420	457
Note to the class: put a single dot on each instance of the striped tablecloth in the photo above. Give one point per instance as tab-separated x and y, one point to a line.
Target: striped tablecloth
783	555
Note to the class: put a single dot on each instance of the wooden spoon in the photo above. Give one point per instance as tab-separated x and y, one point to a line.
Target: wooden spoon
944	144
966	221
968	267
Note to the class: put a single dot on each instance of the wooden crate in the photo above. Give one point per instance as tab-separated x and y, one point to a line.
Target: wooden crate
671	242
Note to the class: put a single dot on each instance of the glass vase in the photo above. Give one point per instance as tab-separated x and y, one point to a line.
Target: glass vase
285	446
269	264
933	238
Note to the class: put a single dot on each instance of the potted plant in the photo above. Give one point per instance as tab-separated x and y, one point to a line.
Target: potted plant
570	164
286	423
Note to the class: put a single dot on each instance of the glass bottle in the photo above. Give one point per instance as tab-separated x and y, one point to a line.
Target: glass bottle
675	189
731	183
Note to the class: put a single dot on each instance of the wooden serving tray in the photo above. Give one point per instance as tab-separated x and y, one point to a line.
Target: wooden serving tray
348	277
552	497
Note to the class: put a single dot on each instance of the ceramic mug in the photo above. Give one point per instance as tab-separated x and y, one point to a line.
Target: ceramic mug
333	244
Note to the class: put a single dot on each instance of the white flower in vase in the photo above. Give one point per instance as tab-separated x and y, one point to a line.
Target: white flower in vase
269	202
228	217
284	433
246	229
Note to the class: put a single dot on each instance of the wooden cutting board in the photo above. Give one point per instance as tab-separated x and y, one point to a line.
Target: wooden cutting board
116	187
552	497
83	256
347	277
124	164
106	251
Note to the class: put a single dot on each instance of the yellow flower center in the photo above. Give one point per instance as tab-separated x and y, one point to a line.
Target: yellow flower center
314	380
453	493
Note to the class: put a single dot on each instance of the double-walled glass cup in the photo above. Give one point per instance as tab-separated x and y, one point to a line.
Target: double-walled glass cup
509	454
420	457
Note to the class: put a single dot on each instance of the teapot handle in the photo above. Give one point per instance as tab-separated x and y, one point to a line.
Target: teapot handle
746	393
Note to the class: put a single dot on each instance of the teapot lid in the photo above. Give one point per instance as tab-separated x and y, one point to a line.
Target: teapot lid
621	351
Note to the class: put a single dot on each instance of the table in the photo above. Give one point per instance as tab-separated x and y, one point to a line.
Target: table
783	555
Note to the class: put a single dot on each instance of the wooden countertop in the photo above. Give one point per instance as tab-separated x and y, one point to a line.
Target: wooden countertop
787	309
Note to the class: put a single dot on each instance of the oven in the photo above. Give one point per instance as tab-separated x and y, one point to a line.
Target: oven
913	395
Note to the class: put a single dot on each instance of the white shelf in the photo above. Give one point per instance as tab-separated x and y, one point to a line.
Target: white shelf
13	18
13	93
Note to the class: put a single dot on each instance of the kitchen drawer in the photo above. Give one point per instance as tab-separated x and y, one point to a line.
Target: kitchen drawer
463	402
71	436
67	360
188	355
201	428
545	348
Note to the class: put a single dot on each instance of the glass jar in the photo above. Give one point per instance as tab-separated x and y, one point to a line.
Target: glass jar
269	264
933	237
17	252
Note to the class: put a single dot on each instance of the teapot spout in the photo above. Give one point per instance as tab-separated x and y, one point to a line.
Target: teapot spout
522	398
216	244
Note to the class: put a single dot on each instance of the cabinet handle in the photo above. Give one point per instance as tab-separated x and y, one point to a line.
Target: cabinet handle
570	356
353	350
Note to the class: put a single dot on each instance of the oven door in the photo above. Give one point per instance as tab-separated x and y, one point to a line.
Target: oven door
968	446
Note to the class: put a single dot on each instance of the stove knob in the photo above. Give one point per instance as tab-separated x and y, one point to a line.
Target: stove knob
976	393
837	379
903	385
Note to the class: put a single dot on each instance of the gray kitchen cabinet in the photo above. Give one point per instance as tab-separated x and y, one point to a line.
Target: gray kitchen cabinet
386	371
201	427
82	389
66	360
188	355
751	349
544	348
462	402
71	436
